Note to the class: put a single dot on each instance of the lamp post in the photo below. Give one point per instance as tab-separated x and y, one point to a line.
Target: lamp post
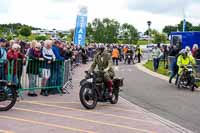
149	27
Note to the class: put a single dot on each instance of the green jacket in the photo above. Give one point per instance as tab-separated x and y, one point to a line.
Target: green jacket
103	62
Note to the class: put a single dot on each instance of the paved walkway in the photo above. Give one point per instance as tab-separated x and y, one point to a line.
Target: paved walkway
64	114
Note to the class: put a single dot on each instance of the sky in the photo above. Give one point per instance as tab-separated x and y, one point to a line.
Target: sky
61	14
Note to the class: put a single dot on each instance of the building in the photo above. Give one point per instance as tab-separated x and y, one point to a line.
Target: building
53	33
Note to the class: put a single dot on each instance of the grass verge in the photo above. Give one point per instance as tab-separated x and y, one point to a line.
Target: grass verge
161	70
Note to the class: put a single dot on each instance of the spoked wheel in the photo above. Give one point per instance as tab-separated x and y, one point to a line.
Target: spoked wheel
179	83
88	97
193	88
193	84
8	98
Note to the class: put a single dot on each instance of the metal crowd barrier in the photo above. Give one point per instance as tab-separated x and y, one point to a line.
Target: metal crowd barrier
67	78
37	74
6	70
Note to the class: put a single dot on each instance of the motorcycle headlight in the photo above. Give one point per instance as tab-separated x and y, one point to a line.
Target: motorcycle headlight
90	80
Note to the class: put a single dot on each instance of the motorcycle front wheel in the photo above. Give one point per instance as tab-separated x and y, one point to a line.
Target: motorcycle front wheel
88	97
8	98
192	83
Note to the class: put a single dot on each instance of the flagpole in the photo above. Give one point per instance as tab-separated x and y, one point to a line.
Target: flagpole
184	21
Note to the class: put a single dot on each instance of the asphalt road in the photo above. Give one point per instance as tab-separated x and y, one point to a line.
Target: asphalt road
161	98
65	114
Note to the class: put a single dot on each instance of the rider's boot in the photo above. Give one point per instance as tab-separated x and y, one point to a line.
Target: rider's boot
110	87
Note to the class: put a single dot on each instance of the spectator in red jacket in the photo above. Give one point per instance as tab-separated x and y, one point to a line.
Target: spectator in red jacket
194	50
13	56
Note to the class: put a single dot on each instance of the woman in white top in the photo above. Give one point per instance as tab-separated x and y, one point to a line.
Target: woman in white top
49	57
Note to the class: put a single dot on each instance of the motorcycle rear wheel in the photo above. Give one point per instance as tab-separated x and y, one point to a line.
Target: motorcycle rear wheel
193	88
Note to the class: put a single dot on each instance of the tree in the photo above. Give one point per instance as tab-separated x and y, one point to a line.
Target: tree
71	37
196	28
1	34
187	28
61	35
89	32
109	31
168	29
41	38
159	38
15	28
129	34
25	31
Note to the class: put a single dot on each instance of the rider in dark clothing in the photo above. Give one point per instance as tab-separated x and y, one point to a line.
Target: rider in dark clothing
173	52
129	52
197	54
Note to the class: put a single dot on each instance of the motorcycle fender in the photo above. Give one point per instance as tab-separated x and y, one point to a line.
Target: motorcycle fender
85	83
90	85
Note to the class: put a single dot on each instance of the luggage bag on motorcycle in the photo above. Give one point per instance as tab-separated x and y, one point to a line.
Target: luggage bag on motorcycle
118	82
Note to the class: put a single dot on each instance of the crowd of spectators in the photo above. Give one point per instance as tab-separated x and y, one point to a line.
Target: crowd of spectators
42	59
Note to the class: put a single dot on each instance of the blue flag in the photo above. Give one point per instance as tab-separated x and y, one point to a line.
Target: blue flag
80	30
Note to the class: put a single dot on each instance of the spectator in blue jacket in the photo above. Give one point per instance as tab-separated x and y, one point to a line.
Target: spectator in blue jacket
56	50
56	69
3	60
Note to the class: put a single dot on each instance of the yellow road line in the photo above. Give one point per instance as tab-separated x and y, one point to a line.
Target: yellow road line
84	119
46	124
127	110
98	113
4	131
51	102
116	108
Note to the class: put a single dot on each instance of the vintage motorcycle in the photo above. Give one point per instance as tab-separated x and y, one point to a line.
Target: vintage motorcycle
93	90
129	58
8	95
187	78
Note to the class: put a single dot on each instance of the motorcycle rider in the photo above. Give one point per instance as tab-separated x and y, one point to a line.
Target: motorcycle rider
103	62
125	50
129	52
183	60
